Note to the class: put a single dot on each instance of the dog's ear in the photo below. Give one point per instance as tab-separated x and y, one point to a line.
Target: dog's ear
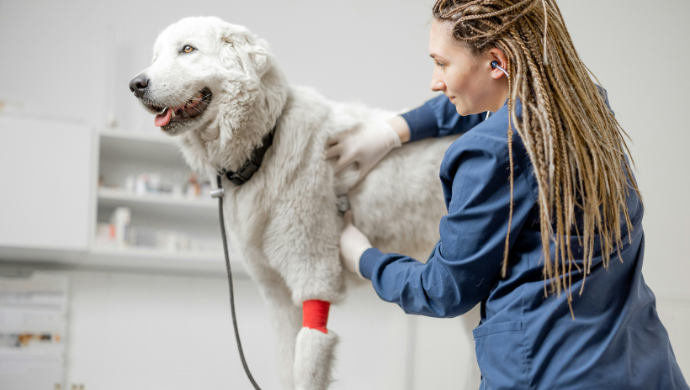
250	51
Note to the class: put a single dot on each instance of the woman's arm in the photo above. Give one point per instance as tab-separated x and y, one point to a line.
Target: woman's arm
438	118
370	143
467	260
435	118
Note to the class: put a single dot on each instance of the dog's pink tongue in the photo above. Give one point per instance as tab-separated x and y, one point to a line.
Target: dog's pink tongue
163	119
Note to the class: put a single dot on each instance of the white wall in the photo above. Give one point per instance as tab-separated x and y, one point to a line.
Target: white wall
371	51
57	59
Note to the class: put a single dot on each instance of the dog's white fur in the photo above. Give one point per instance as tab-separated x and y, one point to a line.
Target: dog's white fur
283	223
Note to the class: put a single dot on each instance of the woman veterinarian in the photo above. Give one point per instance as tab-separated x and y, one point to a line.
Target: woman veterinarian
545	173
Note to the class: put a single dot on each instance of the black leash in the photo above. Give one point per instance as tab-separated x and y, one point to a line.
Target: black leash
219	194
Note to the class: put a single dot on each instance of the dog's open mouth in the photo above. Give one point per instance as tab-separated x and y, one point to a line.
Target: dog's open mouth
171	116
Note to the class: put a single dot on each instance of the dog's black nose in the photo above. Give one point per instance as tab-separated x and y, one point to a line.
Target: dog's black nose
138	85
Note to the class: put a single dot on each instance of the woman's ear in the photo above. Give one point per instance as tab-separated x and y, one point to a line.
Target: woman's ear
496	54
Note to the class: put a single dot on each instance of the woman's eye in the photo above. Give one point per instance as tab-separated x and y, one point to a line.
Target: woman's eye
188	49
440	64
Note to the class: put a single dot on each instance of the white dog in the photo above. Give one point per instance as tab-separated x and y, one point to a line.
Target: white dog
217	89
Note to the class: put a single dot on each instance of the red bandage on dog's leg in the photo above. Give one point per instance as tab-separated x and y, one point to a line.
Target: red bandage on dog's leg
315	314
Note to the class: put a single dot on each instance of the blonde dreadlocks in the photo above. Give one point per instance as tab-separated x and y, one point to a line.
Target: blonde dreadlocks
574	142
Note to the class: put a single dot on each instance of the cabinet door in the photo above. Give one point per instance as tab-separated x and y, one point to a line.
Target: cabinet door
45	184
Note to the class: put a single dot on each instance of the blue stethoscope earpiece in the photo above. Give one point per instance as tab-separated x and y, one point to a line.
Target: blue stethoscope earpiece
495	65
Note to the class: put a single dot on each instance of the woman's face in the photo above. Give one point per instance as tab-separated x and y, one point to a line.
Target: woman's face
466	79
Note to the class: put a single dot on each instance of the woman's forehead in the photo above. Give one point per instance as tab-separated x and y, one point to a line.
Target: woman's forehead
441	40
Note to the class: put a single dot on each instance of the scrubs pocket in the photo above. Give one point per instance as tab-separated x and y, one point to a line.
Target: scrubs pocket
500	354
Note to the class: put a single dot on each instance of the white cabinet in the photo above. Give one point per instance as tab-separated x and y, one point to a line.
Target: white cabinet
51	202
45	184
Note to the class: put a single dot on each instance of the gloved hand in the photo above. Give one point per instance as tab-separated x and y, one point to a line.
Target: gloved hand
366	146
352	244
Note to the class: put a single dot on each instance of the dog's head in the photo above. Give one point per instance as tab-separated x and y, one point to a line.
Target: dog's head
207	73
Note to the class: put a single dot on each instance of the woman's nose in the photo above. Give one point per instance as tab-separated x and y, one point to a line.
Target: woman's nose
437	85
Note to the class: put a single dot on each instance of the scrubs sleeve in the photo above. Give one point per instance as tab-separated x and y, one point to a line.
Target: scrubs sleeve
438	118
467	260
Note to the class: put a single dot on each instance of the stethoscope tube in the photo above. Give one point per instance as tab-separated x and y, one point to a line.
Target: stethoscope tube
220	193
495	65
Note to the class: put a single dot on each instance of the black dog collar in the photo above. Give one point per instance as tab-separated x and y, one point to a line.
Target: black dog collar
249	168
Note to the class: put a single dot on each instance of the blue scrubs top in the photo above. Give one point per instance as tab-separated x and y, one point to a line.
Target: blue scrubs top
525	340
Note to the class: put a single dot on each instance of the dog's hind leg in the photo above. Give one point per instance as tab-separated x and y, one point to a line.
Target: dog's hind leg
315	348
285	318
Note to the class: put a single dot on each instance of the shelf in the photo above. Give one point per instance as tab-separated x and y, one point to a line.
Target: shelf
151	253
146	258
172	208
149	137
119	197
121	259
124	146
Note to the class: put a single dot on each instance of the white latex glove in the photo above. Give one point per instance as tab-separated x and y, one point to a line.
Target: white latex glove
366	146
352	244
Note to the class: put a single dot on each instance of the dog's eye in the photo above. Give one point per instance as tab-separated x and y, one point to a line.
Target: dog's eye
188	49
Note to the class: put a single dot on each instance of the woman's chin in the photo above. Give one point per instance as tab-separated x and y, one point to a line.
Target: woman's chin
462	110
